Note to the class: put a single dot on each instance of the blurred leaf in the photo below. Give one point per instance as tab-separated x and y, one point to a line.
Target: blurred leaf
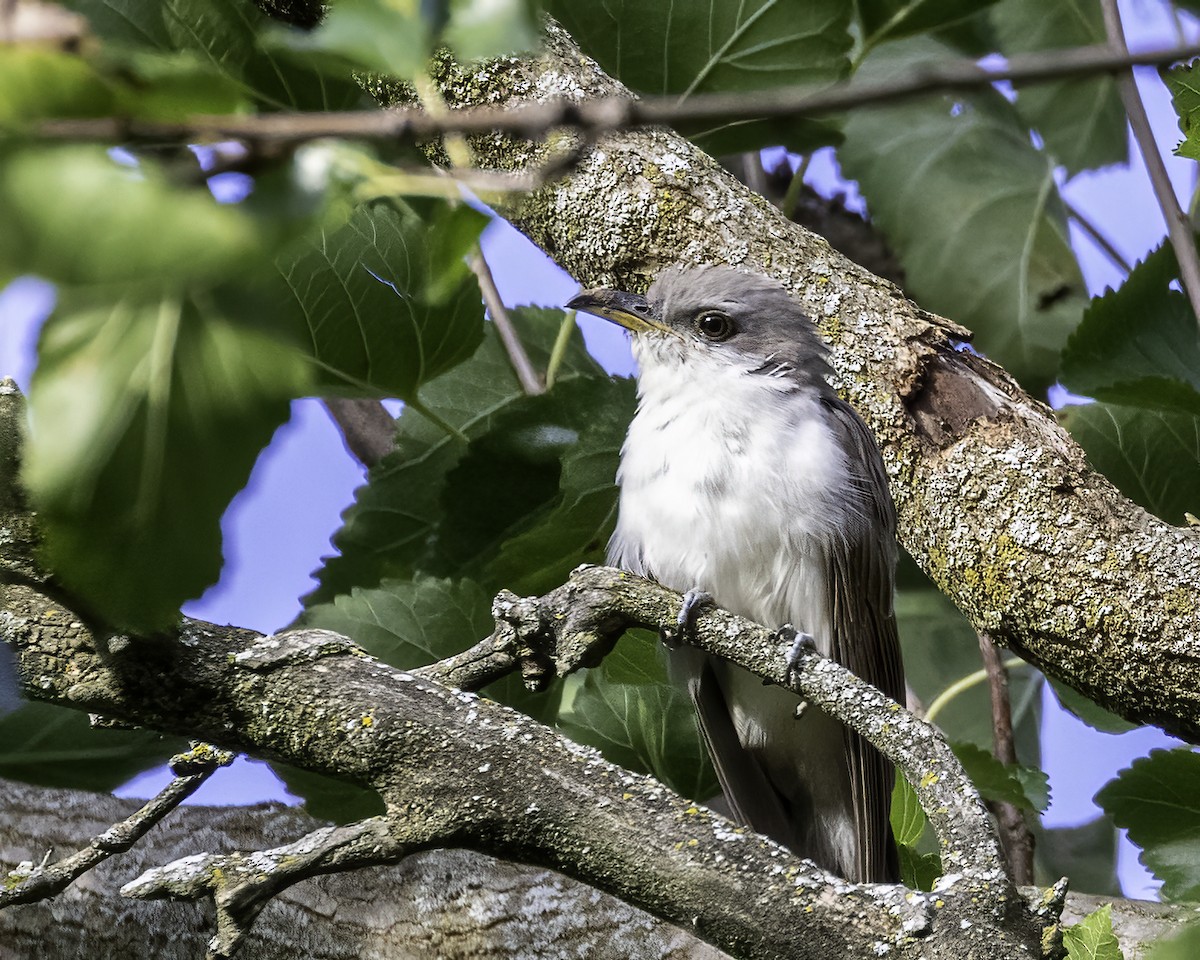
1140	344
1151	456
1184	83
71	214
386	530
225	33
1090	712
491	28
1185	945
36	83
1093	938
146	419
973	212
1082	122
328	798
386	301
908	819
940	648
630	710
720	46
55	747
1157	799
383	35
1023	787
890	19
1087	854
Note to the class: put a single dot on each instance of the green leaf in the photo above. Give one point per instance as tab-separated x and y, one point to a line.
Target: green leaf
227	35
891	19
71	214
1185	945
568	444
386	301
918	871
940	648
490	28
327	798
380	35
630	710
1151	456
1157	799
908	819
1082	122
1087	854
1184	83
973	212
37	84
146	419
1090	712
385	532
1093	938
1024	787
55	747
1140	344
719	46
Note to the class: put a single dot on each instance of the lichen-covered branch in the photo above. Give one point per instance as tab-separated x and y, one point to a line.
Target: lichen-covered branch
29	883
996	502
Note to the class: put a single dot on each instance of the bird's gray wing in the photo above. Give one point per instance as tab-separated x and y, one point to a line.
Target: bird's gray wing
861	587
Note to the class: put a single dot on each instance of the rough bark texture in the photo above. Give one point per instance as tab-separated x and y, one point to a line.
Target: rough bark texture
996	502
450	904
447	903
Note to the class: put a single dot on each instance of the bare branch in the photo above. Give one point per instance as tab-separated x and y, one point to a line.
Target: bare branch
30	883
1014	831
368	429
618	112
1106	246
1179	227
527	376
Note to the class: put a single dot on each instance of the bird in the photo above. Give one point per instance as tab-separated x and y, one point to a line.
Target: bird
744	478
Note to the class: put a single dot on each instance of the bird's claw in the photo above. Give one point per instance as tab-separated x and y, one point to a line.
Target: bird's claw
693	600
802	644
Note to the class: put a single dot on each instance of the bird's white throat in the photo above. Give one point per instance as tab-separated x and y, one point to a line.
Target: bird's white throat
730	481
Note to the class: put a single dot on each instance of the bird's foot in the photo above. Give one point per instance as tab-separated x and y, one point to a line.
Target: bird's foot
802	644
693	600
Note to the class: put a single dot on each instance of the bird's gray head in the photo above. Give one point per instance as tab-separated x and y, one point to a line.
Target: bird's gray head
716	314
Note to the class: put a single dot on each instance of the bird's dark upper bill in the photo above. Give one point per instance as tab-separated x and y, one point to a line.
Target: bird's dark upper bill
630	310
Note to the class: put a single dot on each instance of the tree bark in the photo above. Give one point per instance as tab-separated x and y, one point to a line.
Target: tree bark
445	903
452	904
996	501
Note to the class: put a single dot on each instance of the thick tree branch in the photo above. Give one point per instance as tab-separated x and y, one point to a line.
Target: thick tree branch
996	501
367	428
617	112
451	904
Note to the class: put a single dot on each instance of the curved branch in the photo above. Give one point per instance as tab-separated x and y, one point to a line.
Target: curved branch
996	501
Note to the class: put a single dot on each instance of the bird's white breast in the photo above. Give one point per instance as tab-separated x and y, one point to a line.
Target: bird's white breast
730	481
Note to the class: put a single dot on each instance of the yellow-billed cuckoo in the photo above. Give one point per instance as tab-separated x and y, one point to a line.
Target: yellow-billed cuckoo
744	477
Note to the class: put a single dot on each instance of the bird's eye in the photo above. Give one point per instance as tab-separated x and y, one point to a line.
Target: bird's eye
714	326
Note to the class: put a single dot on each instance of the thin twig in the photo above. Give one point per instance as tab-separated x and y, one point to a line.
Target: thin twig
46	880
368	429
791	199
616	112
1015	835
962	685
559	351
527	375
1101	241
1179	228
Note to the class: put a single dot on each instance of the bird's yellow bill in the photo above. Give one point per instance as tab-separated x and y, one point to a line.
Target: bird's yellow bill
631	310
